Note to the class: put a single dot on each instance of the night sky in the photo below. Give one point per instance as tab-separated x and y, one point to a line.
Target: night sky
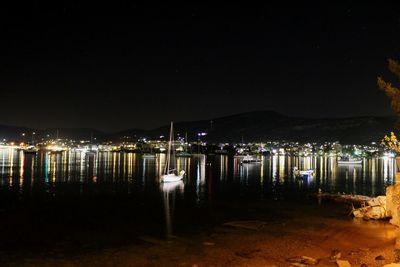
113	67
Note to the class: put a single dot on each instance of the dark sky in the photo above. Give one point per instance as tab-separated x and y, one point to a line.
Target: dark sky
120	66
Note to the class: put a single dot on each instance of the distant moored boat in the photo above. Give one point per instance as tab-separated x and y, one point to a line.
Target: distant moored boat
303	174
250	159
349	161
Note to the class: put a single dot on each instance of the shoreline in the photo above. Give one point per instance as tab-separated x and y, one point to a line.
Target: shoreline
313	231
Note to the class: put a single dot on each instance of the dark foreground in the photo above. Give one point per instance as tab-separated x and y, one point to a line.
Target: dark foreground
118	231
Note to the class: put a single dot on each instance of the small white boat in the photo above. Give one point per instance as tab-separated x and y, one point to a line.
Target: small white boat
169	174
172	177
349	161
183	155
149	156
167	187
304	173
250	159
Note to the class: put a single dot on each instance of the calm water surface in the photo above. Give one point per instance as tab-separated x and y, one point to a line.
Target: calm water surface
129	173
107	198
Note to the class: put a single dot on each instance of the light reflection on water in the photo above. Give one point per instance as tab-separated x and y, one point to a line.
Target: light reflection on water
49	172
208	179
169	191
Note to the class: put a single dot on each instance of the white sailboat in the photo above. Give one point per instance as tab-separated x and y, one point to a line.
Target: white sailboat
169	174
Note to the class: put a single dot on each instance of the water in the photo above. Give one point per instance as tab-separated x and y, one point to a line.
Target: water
127	173
108	199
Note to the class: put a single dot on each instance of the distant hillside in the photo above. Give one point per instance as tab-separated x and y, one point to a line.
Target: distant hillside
269	125
76	133
14	132
251	126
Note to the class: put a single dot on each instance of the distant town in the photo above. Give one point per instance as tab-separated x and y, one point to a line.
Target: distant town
28	144
253	133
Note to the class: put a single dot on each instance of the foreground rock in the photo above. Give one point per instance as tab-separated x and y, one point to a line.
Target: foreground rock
335	255
393	203
303	260
382	207
342	263
375	208
371	212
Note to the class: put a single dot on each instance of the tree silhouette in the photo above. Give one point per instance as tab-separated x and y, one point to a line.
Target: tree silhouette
391	91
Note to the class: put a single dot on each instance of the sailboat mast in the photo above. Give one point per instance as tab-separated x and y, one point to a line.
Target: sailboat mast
186	142
91	141
169	149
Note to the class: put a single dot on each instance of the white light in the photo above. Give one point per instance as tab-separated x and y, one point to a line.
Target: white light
389	155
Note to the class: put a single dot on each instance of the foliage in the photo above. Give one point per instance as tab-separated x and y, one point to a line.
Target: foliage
391	142
391	91
394	94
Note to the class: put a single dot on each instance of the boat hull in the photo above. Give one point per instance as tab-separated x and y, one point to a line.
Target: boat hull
251	161
350	162
149	156
169	178
304	173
